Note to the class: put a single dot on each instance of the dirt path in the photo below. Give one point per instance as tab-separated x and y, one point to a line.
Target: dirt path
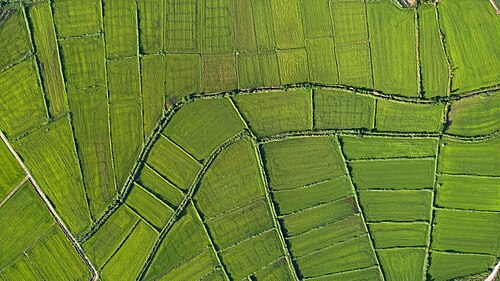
47	203
494	273
14	190
495	6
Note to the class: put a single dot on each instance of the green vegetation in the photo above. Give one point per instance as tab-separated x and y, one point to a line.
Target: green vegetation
279	270
44	36
478	158
433	64
201	127
385	147
153	96
393	42
161	187
232	180
399	234
322	65
74	17
475	66
49	153
397	205
393	174
22	104
288	26
475	116
11	173
271	113
446	266
407	117
14	39
286	160
402	264
293	65
148	206
468	193
120	27
343	110
194	268
466	232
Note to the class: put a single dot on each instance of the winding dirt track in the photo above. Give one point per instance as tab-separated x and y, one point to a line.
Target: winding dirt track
47	203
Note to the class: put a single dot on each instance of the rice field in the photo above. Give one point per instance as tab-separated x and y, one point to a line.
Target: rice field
248	140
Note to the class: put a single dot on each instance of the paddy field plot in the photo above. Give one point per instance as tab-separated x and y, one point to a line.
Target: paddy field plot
11	173
452	265
369	147
74	18
14	39
407	117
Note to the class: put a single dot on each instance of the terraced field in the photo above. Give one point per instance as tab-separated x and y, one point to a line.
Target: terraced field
249	140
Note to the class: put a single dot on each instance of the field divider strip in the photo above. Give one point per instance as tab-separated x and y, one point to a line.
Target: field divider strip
420	92
53	212
141	217
341	272
321	226
14	190
445	51
358	205
226	212
459	252
369	41
466	210
154	196
247	239
187	198
469	175
26	56
408	158
316	206
210	240
181	148
307	185
279	228
265	266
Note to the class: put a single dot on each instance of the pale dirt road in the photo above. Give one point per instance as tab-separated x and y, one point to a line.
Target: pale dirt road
47	203
494	273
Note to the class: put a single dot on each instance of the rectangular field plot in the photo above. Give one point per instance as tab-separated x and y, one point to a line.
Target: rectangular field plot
14	39
45	255
151	25
181	27
173	163
316	18
202	126
246	39
218	26
354	65
159	186
349	21
152	91
182	75
149	207
446	266
293	200
367	147
434	67
475	116
233	179
103	244
279	270
467	232
337	109
399	234
264	25
84	63
49	153
130	257
479	158
19	269
11	173
240	224
48	58
401	205
219	73
23	218
184	241
75	17
371	273
125	108
322	61
293	66
330	234
276	112
22	104
353	254
320	215
120	28
477	65
194	268
468	193
251	255
393	174
402	264
287	160
287	23
407	117
393	43
89	112
257	70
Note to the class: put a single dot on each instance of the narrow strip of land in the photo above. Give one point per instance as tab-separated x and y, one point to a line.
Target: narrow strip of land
13	190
